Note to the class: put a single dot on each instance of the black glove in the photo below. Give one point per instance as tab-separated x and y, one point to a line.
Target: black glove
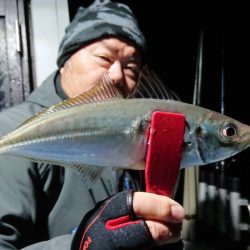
112	225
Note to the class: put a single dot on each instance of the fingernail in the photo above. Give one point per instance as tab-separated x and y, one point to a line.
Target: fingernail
177	212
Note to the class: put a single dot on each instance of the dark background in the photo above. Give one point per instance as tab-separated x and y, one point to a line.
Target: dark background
173	32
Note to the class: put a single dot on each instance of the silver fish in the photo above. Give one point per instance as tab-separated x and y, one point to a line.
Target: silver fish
102	129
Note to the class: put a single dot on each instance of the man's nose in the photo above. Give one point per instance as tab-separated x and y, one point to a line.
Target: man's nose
116	74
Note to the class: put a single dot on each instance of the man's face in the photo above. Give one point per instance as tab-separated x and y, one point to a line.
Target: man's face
119	59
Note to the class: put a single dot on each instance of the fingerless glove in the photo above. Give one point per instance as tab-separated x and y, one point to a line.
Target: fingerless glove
112	225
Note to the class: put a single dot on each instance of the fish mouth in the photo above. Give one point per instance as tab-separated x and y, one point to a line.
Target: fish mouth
244	142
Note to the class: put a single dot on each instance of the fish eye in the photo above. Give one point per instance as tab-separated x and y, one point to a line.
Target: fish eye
229	130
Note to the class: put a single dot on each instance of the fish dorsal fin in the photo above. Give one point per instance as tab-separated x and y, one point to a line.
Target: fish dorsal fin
103	89
150	86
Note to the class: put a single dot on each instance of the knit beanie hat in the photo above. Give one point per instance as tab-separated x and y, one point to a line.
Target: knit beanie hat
101	19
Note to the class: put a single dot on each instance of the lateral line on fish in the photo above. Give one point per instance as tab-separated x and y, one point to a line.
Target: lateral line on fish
25	141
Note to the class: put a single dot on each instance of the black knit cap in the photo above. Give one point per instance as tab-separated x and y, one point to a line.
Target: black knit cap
101	19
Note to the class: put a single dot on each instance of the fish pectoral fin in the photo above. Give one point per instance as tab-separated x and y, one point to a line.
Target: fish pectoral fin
89	174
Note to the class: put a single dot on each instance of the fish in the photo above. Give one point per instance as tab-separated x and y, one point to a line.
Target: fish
100	128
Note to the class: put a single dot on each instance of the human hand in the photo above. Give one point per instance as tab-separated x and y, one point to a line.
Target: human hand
162	215
127	221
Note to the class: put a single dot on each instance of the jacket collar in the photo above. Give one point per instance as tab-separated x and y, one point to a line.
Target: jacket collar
46	95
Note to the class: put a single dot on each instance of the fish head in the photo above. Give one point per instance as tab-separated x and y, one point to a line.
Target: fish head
213	137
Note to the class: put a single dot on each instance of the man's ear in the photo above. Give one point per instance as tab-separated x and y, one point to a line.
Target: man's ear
61	70
66	67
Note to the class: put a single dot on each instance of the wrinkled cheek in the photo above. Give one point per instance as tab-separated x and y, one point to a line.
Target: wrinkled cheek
87	80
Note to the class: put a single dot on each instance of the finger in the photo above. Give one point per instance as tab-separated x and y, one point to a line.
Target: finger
157	207
177	214
164	233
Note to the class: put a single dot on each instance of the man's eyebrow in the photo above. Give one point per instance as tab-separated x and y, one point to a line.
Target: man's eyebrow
136	58
109	47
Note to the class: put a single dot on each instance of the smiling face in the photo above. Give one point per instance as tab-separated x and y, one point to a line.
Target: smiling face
119	59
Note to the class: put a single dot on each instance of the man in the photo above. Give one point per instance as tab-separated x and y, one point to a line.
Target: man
42	205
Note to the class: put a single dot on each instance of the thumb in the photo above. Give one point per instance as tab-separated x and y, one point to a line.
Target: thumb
157	207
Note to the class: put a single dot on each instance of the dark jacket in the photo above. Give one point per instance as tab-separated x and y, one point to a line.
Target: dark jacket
39	202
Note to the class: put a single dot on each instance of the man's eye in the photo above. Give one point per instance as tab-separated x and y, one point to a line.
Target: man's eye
105	58
133	69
